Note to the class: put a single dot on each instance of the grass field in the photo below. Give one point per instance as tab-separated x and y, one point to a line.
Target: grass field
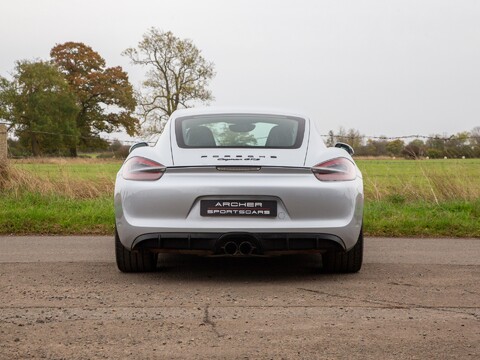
403	197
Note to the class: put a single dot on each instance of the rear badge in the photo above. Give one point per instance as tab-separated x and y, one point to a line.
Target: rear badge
238	208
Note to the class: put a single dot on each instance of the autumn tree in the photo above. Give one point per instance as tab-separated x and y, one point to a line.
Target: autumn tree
104	95
177	76
42	109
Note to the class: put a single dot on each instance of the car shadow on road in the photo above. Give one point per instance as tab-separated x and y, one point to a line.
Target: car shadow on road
238	269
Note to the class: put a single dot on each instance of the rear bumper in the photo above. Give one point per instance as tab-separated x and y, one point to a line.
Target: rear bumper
306	209
263	243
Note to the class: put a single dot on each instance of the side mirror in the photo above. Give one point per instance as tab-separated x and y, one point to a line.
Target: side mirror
137	145
345	147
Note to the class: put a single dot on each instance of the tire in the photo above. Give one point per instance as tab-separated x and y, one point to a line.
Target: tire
134	261
345	262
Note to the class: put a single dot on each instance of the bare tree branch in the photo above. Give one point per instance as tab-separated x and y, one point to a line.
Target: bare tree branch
178	75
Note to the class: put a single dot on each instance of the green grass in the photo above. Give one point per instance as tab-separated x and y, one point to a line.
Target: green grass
422	219
422	198
402	197
39	214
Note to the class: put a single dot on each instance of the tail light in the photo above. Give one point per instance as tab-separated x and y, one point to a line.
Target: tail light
140	168
339	169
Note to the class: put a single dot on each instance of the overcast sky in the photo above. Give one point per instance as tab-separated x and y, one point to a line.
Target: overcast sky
383	67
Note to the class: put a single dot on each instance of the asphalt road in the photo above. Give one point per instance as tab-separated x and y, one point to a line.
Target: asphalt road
62	297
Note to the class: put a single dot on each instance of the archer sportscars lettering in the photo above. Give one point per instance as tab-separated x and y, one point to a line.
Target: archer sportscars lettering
238	212
235	204
241	207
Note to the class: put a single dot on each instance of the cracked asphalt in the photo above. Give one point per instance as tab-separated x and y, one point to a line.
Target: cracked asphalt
63	298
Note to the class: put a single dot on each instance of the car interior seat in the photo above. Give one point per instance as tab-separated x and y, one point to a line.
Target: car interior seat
280	136
200	136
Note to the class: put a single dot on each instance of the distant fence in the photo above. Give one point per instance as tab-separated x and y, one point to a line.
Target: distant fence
462	145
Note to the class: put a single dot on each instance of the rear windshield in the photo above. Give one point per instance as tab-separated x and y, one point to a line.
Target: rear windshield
239	131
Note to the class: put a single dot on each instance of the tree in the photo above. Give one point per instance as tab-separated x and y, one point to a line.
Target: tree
456	145
5	98
350	136
330	142
453	146
177	76
395	147
373	148
475	136
414	149
104	95
435	145
475	141
41	107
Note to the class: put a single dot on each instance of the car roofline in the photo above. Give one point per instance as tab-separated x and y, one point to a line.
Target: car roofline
234	110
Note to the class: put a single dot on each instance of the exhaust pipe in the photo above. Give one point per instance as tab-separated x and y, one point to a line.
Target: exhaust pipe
246	248
230	248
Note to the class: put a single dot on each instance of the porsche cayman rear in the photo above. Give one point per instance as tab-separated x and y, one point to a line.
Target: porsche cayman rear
239	183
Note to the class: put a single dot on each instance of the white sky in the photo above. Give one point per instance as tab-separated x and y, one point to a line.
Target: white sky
383	67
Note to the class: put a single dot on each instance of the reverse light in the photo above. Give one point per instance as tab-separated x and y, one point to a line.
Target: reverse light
339	169
143	169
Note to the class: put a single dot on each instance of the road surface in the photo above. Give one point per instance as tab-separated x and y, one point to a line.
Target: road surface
62	297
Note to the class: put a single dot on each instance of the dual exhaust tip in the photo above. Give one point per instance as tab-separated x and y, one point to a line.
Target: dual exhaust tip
244	248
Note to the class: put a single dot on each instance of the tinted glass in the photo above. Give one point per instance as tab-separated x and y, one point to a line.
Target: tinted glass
239	131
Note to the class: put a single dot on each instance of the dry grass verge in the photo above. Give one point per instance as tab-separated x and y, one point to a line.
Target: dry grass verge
18	181
411	181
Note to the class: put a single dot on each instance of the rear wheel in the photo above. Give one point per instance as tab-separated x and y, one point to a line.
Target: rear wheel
134	261
345	262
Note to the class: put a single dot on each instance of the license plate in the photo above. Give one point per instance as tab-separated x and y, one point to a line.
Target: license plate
238	208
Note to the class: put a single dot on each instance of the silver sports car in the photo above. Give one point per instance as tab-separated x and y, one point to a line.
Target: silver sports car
239	183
